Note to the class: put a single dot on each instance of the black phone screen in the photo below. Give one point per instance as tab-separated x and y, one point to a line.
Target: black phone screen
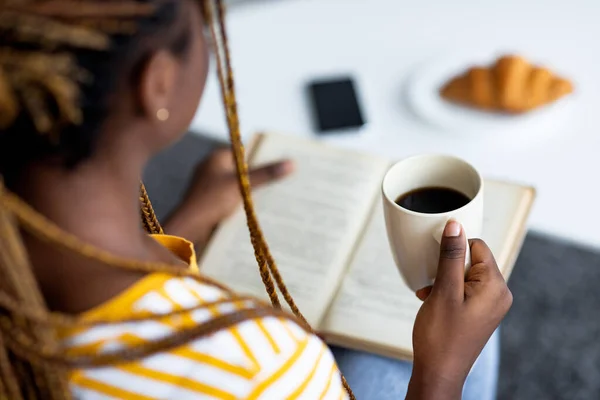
336	105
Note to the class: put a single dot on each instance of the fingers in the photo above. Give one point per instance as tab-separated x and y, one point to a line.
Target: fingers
480	252
271	172
483	264
450	276
484	274
424	293
222	158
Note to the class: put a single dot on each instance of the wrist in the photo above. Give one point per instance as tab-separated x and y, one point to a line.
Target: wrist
429	385
189	223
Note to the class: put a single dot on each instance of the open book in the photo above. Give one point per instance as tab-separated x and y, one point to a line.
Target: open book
326	230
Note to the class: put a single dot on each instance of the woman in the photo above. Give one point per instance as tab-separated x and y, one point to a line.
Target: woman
89	92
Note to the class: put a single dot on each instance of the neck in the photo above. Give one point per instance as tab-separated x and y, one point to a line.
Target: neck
98	202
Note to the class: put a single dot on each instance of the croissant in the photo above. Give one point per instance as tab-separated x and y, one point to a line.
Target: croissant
511	85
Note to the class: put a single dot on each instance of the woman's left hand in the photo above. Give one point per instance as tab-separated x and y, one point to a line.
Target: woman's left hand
214	194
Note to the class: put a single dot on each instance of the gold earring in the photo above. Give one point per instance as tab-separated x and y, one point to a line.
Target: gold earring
162	114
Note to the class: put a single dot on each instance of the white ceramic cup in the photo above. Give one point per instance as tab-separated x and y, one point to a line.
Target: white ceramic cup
415	237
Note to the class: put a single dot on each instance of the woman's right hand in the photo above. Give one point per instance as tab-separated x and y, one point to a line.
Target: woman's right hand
459	314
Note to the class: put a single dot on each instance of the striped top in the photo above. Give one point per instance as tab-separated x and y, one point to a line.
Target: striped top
265	358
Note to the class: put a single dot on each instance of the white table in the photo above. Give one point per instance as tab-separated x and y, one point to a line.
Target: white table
277	46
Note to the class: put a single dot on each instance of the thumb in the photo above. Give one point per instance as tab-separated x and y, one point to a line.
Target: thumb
270	172
450	278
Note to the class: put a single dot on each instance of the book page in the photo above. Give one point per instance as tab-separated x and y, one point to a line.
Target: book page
375	311
311	222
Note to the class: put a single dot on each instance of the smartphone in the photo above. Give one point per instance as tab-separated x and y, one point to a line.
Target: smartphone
336	107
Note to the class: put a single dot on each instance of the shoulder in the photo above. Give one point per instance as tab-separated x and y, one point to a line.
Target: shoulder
262	358
267	357
294	363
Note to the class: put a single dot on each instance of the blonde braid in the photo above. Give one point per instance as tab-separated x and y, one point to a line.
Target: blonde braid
149	219
256	234
9	385
18	280
261	248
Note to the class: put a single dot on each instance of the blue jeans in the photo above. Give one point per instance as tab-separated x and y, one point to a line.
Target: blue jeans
380	378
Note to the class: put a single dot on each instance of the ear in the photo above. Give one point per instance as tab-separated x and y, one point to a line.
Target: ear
158	83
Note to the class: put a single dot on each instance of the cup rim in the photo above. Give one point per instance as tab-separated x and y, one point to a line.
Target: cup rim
428	155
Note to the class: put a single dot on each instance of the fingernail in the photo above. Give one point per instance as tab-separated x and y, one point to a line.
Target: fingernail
452	229
284	168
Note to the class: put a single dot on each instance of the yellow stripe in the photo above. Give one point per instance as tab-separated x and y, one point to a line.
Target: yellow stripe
333	370
205	358
234	331
265	332
131	340
214	362
178	381
163	293
298	392
64	334
245	348
289	330
86	349
120	306
214	310
126	339
194	292
181	321
80	380
262	386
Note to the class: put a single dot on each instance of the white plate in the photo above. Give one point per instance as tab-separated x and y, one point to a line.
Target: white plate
424	99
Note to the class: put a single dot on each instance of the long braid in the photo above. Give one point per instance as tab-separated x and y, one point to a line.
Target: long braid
28	350
18	281
256	234
149	219
261	248
9	387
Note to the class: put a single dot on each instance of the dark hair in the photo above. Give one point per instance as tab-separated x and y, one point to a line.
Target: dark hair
118	66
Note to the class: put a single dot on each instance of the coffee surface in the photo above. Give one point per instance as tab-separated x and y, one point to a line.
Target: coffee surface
433	200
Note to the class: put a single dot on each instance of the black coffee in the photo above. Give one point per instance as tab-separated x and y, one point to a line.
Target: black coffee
432	200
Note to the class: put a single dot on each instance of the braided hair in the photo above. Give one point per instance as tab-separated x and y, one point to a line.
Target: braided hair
59	61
